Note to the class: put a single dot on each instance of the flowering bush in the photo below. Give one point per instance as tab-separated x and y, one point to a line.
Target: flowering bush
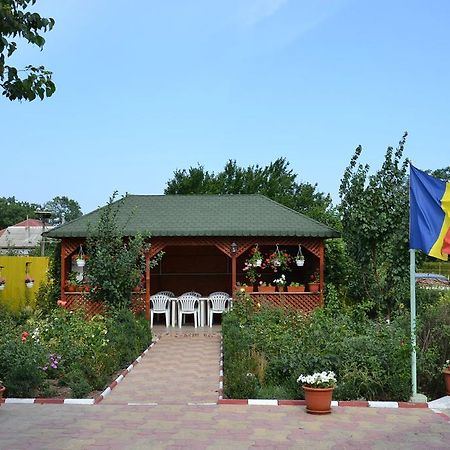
280	281
318	380
446	365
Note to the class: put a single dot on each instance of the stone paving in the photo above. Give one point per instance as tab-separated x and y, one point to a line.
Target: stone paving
157	406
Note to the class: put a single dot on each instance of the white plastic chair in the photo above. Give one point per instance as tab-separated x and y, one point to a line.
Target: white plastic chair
188	304
192	293
160	305
219	293
168	293
218	305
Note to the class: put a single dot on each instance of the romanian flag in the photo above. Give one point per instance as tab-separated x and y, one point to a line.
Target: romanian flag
429	219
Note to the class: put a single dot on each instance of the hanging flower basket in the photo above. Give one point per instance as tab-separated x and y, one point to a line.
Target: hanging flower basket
300	259
29	282
2	283
80	258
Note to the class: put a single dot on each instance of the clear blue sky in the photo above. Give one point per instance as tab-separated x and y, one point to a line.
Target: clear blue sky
148	87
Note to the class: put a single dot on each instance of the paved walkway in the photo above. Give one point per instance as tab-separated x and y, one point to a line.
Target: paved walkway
110	427
181	368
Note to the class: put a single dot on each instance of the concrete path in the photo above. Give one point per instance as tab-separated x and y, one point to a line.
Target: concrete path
181	368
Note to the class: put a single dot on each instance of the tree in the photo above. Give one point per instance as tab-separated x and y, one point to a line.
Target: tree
63	209
375	218
13	211
116	262
15	21
275	181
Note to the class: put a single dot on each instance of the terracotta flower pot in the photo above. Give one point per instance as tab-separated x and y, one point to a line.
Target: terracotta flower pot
313	287
248	288
266	289
296	288
318	400
446	373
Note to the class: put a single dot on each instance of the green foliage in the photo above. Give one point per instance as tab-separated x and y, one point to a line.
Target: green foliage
63	209
13	211
375	229
371	358
433	336
115	266
275	181
88	351
15	21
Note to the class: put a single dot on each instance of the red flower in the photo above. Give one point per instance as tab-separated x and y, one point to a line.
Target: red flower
25	334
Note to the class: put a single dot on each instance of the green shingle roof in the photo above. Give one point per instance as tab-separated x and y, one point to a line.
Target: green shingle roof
202	215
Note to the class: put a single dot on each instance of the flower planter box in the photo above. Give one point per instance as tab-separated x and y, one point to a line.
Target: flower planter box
248	288
296	288
313	287
266	289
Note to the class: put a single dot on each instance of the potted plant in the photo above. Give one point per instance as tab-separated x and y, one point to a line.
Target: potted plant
296	287
244	287
314	284
265	287
29	282
279	261
81	261
446	372
280	282
318	389
256	258
2	283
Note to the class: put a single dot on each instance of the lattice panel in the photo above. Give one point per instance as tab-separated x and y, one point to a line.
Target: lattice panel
69	246
305	302
76	301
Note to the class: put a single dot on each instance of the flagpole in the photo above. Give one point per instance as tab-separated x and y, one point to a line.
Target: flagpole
412	274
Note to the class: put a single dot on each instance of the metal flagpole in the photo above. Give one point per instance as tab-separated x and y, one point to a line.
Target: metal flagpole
412	274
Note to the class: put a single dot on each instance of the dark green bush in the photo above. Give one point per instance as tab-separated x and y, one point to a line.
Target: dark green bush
370	358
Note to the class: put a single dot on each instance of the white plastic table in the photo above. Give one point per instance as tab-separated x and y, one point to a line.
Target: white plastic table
203	308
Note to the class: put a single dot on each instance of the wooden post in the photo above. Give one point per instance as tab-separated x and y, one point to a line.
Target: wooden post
322	269
63	271
147	285
233	274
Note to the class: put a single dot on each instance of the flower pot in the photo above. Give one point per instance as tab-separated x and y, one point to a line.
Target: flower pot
313	287
29	284
318	400
2	286
266	289
446	373
81	262
296	288
300	262
2	390
71	288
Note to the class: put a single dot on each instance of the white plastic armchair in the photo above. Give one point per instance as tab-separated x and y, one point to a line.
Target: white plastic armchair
168	293
192	293
188	304
218	304
160	305
219	293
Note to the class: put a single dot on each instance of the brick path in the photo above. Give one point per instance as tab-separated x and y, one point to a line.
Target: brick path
180	368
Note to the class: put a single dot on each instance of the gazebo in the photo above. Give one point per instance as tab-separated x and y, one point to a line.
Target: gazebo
206	240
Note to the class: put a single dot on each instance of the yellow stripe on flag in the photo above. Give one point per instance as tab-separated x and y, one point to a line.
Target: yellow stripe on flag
436	250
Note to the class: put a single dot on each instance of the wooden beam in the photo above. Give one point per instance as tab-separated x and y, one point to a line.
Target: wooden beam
233	274
147	285
322	269
63	271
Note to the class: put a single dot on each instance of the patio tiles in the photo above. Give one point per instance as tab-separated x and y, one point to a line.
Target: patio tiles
112	426
181	368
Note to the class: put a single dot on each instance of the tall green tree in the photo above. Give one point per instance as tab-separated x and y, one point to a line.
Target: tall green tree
375	218
17	22
63	209
276	181
13	211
